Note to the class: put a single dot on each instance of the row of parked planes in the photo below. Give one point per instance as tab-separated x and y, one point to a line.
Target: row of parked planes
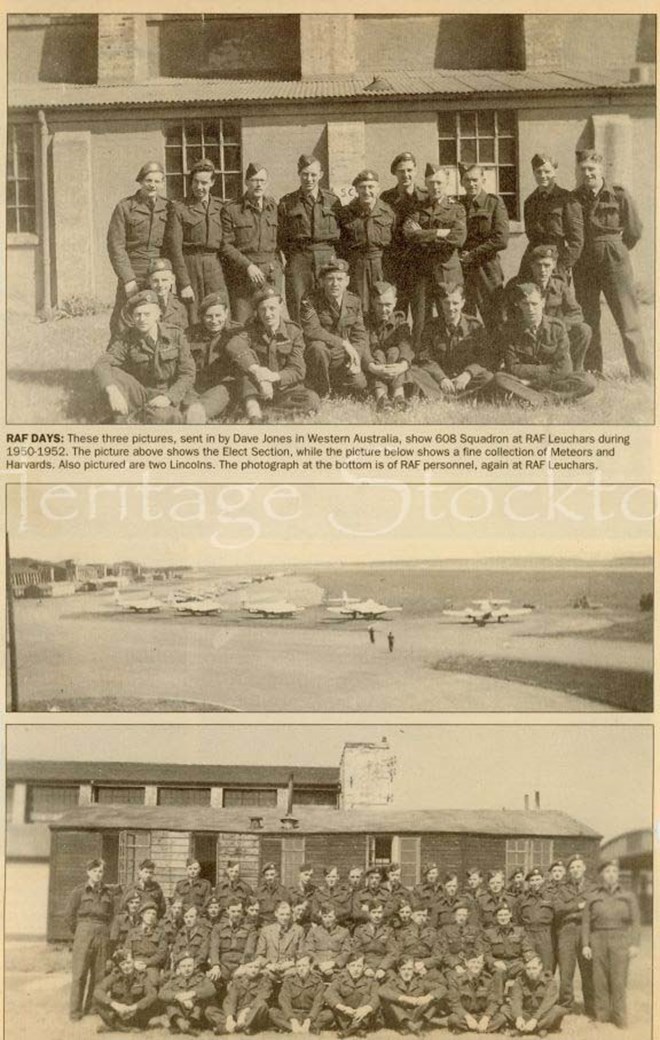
480	613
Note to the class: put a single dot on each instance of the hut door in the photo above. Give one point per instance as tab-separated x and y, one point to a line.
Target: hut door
293	856
204	849
406	851
69	853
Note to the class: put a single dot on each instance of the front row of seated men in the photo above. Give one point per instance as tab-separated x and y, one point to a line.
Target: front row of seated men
157	371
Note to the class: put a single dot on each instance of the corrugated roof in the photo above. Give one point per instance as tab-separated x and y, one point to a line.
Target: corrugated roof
162	773
534	823
448	82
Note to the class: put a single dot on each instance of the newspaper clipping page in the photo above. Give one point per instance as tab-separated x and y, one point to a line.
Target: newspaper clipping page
329	443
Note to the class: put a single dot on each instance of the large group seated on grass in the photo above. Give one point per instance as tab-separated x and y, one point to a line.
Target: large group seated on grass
355	954
254	308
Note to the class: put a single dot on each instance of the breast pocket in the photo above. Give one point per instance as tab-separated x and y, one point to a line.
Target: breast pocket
608	216
194	228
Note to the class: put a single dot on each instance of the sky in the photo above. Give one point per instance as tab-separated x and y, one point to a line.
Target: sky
599	774
229	525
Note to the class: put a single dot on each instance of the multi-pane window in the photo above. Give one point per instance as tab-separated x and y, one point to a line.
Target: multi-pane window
47	803
184	795
106	795
236	797
21	200
526	853
134	846
189	141
486	137
303	796
379	850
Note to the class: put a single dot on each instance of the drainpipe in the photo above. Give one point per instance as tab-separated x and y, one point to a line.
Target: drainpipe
45	214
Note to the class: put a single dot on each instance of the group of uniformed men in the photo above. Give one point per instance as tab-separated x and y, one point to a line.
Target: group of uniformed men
353	955
399	294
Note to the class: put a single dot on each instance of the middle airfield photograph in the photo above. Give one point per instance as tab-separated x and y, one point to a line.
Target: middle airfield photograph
345	597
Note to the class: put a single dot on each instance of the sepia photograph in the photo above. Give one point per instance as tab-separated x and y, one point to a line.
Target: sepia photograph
330	218
340	597
334	880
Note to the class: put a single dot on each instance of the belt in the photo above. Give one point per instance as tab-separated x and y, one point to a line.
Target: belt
611	928
262	258
315	247
607	237
198	249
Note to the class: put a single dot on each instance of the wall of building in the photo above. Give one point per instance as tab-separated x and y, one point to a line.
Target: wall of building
602	41
438	41
366	774
26	899
227	45
52	49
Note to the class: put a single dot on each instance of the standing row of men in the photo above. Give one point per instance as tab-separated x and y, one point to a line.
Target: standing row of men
433	939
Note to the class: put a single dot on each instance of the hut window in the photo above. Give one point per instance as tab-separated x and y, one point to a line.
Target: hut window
47	803
301	796
119	795
236	797
134	846
193	139
527	853
486	137
184	795
293	856
379	850
21	207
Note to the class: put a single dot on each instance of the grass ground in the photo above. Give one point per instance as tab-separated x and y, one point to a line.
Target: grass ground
48	381
37	987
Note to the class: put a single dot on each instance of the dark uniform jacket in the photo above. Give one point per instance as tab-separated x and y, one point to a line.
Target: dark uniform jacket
227	891
354	993
444	907
121	926
203	988
533	999
173	313
510	945
558	299
365	231
475	996
376	943
230	946
569	900
445	353
393	899
487	902
361	900
150	889
555	219
89	903
395	988
302	225
403	206
439	256
535	911
487	233
126	989
427	895
148	945
302	998
167	368
459	943
339	897
249	234
537	355
270	895
135	235
611	214
195	941
611	911
394	334
282	352
196	892
246	991
323	944
192	227
421	942
322	321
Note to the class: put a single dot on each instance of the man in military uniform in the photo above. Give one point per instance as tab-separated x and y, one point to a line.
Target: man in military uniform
390	348
375	941
193	238
147	943
366	231
552	216
556	875
269	354
536	351
232	886
245	1007
147	373
88	914
487	236
335	894
160	279
569	900
410	1002
453	355
535	912
430	889
418	939
147	887
611	229
327	943
373	889
405	198
489	899
300	1001
232	942
533	1001
460	941
126	919
215	378
193	890
437	230
249	243
448	900
185	995
610	938
308	232
516	883
507	945
303	894
192	937
125	999
353	998
476	998
335	336
135	235
269	892
558	300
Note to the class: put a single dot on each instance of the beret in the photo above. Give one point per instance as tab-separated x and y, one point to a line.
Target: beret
392	866
216	901
541	158
145	296
461	905
161	263
365	175
495	873
202	166
514	873
607	863
534	872
542	251
148	905
402	157
373	904
588	155
148	864
428	867
253	169
268	866
215	299
327	908
575	857
333	265
266	292
372	870
92	864
503	906
304	868
557	863
306	160
184	955
149	167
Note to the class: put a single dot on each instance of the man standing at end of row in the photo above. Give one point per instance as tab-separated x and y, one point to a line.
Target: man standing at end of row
249	243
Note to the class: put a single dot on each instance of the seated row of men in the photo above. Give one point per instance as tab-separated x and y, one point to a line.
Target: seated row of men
155	370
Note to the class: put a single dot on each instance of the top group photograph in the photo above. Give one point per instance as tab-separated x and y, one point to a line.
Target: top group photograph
330	218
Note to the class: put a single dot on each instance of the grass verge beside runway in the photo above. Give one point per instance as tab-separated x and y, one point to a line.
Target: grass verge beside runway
622	689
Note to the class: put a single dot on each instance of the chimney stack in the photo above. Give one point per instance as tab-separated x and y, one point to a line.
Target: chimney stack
289	796
526	802
537	799
289	823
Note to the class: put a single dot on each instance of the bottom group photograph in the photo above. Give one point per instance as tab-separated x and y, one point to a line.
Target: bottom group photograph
341	880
